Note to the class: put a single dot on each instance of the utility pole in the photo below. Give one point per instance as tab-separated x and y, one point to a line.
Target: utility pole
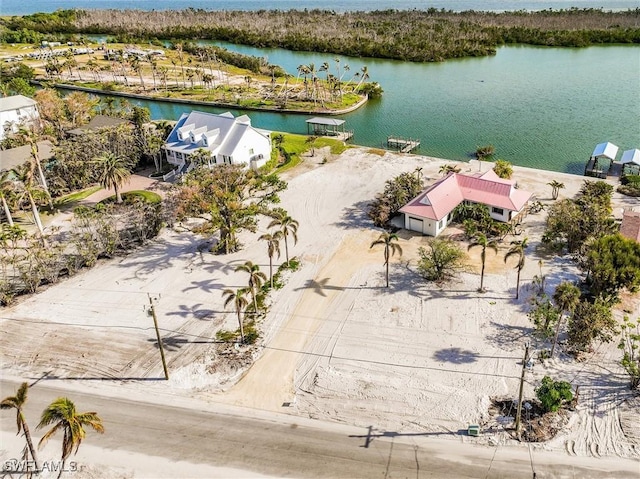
155	323
524	369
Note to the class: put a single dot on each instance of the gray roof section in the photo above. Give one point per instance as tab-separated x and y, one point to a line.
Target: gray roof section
318	120
15	157
97	122
14	102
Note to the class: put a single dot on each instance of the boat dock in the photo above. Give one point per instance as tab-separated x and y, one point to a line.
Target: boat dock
404	145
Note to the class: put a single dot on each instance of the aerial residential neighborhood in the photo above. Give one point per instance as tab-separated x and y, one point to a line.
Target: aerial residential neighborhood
214	265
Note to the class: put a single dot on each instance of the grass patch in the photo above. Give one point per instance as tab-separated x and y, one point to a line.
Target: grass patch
296	146
131	197
72	198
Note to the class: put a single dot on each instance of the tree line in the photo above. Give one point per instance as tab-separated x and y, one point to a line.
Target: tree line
415	35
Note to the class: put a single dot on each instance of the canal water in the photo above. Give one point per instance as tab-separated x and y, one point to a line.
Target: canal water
540	107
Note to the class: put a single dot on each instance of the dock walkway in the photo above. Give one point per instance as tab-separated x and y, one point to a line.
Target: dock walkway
404	145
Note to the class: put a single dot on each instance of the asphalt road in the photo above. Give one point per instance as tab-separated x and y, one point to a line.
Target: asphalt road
286	446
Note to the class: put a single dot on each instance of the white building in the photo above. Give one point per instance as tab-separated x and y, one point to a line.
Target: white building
17	111
226	139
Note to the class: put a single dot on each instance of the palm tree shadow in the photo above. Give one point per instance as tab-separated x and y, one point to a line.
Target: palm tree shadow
177	341
194	311
456	356
321	285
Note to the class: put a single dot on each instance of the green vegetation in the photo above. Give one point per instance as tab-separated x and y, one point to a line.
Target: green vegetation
389	241
503	169
229	199
397	192
630	346
441	261
432	35
289	148
552	394
72	198
62	414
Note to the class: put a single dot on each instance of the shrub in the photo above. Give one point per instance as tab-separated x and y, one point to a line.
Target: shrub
503	169
552	394
441	261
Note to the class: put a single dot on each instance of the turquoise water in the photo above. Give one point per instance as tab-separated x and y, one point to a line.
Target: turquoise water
540	107
21	7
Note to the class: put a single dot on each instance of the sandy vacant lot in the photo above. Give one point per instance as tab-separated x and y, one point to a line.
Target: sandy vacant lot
337	345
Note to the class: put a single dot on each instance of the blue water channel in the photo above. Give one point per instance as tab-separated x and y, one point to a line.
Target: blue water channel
540	107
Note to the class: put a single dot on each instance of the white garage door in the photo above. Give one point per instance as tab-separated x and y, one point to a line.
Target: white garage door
415	224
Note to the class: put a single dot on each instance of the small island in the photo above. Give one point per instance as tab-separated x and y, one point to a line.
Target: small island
190	73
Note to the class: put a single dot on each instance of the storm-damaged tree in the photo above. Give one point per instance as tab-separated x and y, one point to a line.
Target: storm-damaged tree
229	198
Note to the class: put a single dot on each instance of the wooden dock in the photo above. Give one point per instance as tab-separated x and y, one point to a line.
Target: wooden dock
404	145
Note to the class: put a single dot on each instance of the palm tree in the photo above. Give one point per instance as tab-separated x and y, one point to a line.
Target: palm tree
62	414
31	138
256	280
364	76
27	186
484	242
239	300
113	172
17	402
517	248
484	152
287	226
7	189
388	240
273	247
446	169
556	187
566	297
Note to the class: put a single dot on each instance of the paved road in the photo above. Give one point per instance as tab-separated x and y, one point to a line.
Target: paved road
286	446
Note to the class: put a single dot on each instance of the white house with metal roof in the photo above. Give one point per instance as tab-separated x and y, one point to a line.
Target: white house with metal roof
17	111
219	139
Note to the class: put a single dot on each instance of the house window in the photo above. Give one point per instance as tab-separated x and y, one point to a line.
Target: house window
498	211
440	223
251	151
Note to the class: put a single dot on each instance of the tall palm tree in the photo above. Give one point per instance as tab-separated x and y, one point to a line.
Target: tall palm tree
556	186
31	138
517	249
17	402
273	248
364	76
566	296
256	280
288	226
390	246
7	190
113	172
239	300
27	186
62	414
484	242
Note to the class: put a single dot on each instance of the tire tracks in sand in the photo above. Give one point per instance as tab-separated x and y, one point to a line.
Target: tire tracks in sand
325	301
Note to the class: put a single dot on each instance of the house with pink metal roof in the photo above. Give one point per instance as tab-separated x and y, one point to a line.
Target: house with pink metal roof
430	212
